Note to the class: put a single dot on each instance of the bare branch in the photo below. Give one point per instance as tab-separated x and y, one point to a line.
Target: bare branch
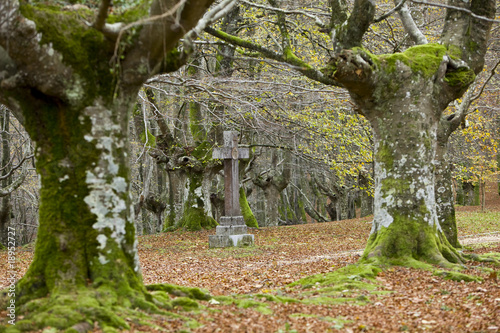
389	13
316	19
409	24
12	187
16	167
102	15
297	64
492	73
465	10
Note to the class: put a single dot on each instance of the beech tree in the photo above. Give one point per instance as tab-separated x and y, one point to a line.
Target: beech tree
403	96
71	75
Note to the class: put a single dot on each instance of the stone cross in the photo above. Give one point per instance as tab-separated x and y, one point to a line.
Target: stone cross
230	153
232	230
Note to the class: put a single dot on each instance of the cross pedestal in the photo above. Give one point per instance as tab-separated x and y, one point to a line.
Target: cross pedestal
232	230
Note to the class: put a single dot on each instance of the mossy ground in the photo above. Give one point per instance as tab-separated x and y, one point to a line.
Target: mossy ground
89	309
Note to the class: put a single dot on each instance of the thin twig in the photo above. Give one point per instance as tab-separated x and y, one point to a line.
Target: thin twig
102	15
389	13
456	8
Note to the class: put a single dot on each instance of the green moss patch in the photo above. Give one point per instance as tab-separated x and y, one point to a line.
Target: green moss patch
456	276
151	142
346	276
422	59
245	302
80	309
180	291
246	211
185	303
339	322
461	77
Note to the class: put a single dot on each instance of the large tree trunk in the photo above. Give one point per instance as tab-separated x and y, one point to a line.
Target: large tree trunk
445	200
86	236
196	212
404	109
271	206
405	221
403	96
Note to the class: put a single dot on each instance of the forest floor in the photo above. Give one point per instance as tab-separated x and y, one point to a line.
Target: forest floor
262	300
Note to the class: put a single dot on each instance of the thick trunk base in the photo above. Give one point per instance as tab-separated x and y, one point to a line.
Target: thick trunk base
406	239
112	309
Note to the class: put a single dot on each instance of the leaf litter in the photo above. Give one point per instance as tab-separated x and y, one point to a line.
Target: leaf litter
252	293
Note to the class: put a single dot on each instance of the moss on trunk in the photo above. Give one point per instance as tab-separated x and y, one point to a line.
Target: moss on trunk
246	211
407	239
194	216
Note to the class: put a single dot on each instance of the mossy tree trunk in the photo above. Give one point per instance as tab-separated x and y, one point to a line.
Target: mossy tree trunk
404	109
403	96
403	158
246	211
82	163
445	201
75	106
195	215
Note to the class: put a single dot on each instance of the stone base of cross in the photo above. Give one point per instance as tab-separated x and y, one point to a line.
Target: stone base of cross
232	230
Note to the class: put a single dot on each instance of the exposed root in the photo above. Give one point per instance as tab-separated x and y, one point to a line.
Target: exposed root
194	293
456	276
451	272
493	257
79	310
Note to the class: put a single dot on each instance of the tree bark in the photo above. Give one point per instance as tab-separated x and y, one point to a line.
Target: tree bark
445	207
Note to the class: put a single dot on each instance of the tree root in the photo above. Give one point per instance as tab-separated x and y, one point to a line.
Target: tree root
493	257
451	271
81	310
